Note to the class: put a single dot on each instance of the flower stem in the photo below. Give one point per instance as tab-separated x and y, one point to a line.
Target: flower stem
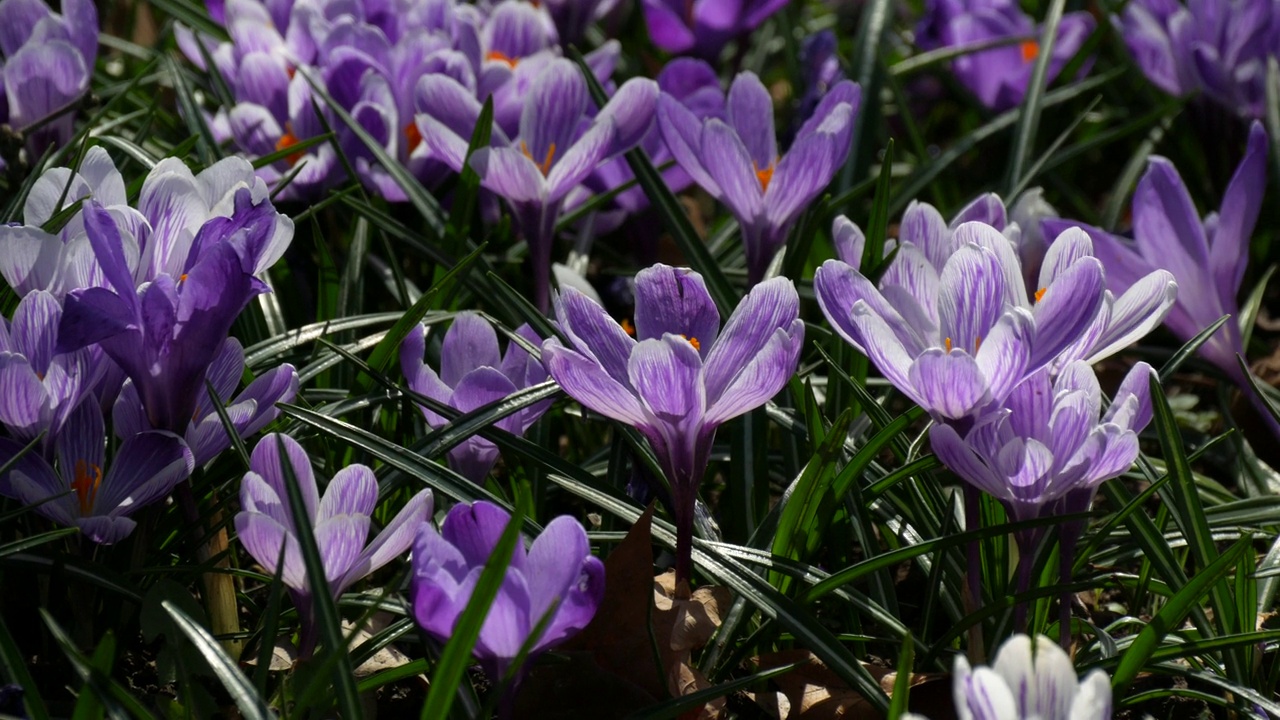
219	586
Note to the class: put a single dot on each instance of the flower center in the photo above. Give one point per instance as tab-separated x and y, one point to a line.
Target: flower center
287	141
1030	50
499	56
765	175
545	165
86	482
946	345
693	341
1040	294
627	327
413	135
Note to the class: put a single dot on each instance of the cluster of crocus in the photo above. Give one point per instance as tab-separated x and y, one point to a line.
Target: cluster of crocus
128	310
473	374
998	76
555	585
954	326
339	521
738	161
704	27
681	376
1218	47
48	59
1030	678
1207	257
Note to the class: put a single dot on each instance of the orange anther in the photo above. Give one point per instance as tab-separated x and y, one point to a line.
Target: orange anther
85	484
287	141
499	56
1040	293
413	135
764	175
545	165
627	327
1030	50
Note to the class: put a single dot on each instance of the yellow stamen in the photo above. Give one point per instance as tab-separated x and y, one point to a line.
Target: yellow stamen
1030	50
946	343
85	484
1040	293
693	341
765	175
545	165
287	141
499	56
627	327
182	278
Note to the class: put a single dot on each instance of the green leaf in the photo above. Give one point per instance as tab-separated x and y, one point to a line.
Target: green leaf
677	707
242	692
13	667
902	683
1029	118
456	657
1190	348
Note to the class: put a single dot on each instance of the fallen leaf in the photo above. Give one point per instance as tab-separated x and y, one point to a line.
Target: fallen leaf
814	692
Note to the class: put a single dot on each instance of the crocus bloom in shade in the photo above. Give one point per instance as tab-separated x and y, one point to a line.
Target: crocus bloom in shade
739	163
340	523
558	147
1220	47
1207	258
958	341
250	411
820	65
165	334
998	76
680	377
473	374
48	60
38	387
81	490
704	27
557	573
573	16
1029	679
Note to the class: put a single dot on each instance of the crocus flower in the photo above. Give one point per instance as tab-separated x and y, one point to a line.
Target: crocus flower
38	387
704	27
820	68
739	163
556	574
473	374
557	148
1207	258
1048	448
340	522
998	76
1029	679
249	412
48	60
165	334
958	341
680	377
572	17
73	490
1220	47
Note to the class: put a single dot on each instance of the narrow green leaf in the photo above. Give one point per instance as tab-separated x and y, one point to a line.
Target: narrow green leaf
1189	348
13	666
902	683
677	707
1029	119
242	692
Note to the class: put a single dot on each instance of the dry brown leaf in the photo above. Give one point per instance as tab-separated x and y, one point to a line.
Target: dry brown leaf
814	692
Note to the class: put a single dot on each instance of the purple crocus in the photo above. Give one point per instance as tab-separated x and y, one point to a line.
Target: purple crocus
1030	678
572	17
38	387
958	341
250	411
1220	47
165	334
556	575
739	163
73	490
47	62
340	522
559	145
998	76
1207	258
704	27
680	377
473	374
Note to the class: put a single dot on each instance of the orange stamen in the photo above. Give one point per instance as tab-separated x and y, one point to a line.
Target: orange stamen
1030	50
765	175
545	165
85	484
413	135
946	343
693	341
499	56
182	278
1040	293
977	345
627	327
287	141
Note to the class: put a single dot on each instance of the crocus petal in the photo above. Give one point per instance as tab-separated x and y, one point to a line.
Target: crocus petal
145	468
470	343
510	174
391	543
849	241
1135	314
768	306
682	132
749	110
971	296
353	491
262	537
950	384
1066	309
265	461
729	164
1241	204
594	333
587	382
676	301
762	378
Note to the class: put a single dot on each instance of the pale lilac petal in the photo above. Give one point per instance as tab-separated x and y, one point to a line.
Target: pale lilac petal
1005	353
340	539
353	491
1241	204
471	342
762	378
971	296
262	537
1135	314
675	300
950	384
265	461
586	381
391	543
849	241
510	174
749	110
1066	309
730	165
768	306
594	333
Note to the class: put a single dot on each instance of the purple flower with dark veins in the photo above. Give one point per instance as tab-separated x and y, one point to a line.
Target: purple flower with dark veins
79	488
680	377
555	575
340	522
249	412
38	387
165	334
739	163
473	374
